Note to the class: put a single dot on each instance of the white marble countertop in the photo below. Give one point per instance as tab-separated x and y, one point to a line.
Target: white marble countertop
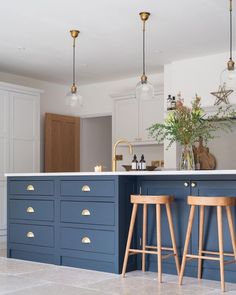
156	172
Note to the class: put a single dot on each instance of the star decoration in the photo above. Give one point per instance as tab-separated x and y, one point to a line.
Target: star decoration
222	95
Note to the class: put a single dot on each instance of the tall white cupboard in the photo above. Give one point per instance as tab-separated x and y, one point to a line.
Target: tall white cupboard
19	138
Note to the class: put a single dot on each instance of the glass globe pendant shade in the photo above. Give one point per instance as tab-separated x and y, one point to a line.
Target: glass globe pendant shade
74	99
144	90
231	78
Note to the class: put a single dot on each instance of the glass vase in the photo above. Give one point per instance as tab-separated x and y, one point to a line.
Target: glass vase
187	158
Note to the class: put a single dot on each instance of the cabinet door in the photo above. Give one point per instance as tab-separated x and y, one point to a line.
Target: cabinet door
151	111
126	119
180	213
24	132
215	188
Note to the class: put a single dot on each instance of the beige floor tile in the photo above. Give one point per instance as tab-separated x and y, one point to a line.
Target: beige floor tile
9	283
14	266
143	286
57	289
70	276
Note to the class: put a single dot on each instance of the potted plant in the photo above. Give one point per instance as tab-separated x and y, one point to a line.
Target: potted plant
186	125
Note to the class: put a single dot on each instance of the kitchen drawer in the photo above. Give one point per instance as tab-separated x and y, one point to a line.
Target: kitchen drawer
90	188
88	212
31	209
92	240
31	187
38	235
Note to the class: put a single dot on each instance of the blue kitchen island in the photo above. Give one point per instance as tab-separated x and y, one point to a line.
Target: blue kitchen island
82	219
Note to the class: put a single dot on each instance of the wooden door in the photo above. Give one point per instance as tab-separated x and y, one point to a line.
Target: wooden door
62	143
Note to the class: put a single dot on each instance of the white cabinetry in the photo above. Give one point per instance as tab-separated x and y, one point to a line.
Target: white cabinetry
19	137
132	117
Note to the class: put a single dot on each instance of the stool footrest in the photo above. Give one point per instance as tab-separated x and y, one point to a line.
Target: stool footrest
162	248
230	262
137	251
191	256
217	253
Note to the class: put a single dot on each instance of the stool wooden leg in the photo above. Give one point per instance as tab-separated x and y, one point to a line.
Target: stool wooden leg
130	234
188	234
200	245
231	229
172	234
158	221
221	250
144	236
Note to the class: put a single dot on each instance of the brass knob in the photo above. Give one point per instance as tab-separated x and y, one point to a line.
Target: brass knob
86	188
30	210
193	184
186	184
30	234
86	240
85	212
30	187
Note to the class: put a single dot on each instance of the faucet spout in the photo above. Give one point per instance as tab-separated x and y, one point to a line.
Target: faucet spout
114	159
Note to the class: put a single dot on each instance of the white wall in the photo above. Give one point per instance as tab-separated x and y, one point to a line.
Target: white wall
97	100
200	75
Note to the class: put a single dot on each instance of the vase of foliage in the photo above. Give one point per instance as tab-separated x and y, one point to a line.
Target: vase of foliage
186	125
186	161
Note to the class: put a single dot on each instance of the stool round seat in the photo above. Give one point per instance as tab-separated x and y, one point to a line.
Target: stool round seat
162	199
211	201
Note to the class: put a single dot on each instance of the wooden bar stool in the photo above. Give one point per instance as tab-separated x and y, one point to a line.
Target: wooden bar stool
157	250
219	203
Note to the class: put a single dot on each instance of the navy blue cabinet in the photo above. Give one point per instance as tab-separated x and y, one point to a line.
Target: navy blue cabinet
74	221
83	221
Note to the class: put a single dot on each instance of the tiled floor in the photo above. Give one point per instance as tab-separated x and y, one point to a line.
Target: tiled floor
21	277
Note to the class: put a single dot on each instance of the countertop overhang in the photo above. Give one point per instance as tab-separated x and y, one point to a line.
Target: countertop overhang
129	173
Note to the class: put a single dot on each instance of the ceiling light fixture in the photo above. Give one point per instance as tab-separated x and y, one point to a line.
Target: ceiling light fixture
73	98
230	64
144	89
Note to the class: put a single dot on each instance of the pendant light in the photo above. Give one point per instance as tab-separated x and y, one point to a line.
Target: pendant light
231	73
144	89
73	98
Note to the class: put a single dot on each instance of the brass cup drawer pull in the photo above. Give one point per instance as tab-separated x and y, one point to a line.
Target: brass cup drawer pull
86	188
30	210
30	187
186	184
30	234
85	212
86	240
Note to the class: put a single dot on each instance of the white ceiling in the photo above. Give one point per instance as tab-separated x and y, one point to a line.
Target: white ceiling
35	42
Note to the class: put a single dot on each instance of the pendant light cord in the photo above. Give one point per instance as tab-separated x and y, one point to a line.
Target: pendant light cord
231	30
144	65
74	61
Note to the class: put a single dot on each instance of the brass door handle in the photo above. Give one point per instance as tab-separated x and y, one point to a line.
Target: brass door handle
30	187
86	188
30	210
30	234
193	184
85	212
86	240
